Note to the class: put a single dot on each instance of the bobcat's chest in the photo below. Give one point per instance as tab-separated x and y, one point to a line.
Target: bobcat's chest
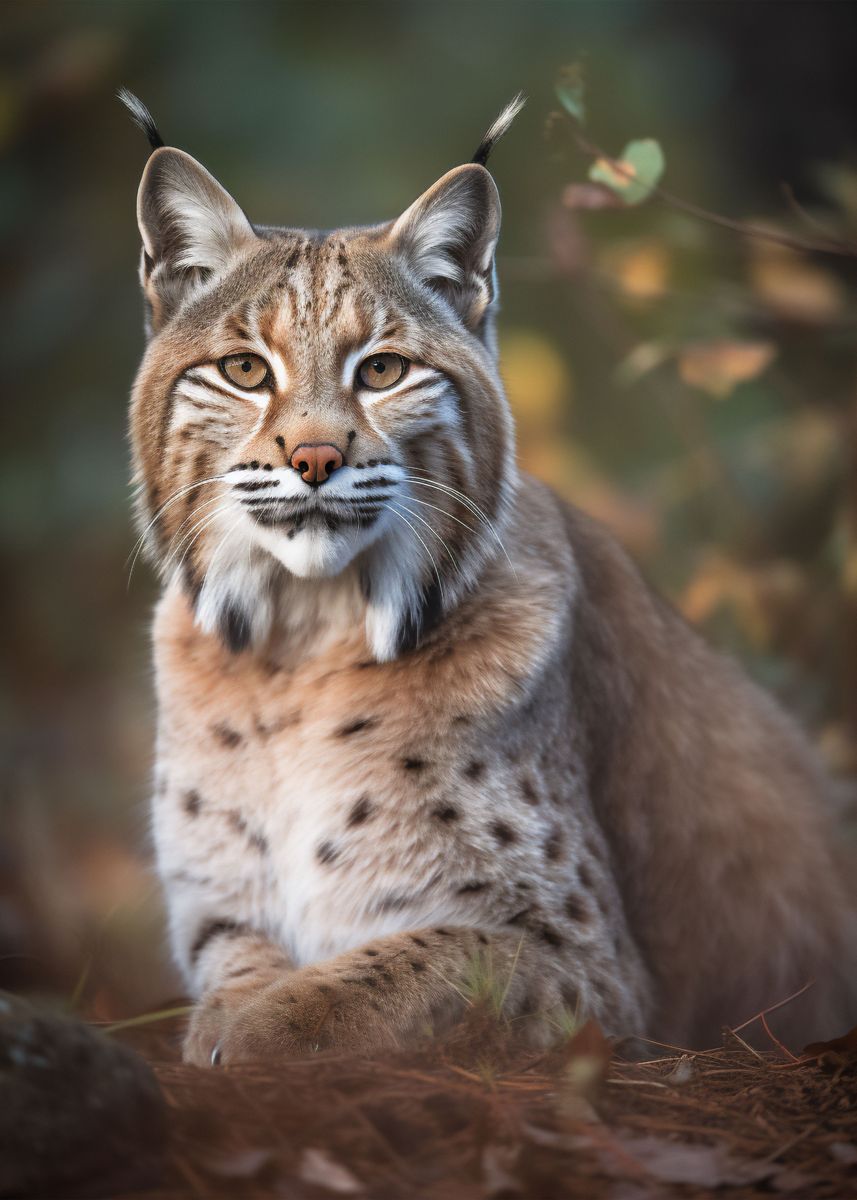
344	800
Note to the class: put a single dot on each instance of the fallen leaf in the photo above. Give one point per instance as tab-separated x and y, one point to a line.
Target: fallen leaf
316	1166
844	1152
497	1164
683	1071
238	1164
588	1054
706	1166
636	172
845	1045
718	367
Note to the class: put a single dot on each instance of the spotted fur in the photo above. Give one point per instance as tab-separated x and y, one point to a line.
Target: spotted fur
424	717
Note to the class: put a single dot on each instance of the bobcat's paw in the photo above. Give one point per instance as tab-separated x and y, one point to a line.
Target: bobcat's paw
304	1012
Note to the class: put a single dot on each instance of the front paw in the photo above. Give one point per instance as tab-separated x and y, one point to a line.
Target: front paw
307	1011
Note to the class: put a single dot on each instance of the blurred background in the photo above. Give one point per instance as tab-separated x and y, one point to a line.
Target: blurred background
693	388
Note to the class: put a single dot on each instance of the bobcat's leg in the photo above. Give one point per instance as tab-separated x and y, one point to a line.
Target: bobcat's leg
231	963
386	993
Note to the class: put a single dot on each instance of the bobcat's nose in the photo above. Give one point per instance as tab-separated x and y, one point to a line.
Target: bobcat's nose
316	463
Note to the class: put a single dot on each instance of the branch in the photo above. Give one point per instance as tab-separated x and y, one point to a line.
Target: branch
745	228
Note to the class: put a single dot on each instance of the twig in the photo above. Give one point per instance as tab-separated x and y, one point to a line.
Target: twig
745	228
773	1007
776	1040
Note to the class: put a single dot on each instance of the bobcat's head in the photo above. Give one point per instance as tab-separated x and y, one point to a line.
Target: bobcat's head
312	405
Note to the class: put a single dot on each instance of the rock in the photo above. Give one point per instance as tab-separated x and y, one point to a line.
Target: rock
81	1115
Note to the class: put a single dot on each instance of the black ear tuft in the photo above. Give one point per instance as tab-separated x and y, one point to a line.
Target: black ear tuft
499	127
141	117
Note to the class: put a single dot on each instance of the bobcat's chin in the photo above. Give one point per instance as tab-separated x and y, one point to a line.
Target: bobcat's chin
316	551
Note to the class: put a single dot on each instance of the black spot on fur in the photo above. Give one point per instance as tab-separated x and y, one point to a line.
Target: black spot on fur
371	953
327	853
446	813
418	941
218	927
548	934
475	885
226	735
236	821
528	791
504	833
259	842
281	441
443	932
520	917
575	907
554	845
585	877
192	802
482	939
474	770
352	434
360	812
413	764
357	726
416	965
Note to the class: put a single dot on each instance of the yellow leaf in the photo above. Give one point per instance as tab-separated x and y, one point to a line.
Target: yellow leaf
718	367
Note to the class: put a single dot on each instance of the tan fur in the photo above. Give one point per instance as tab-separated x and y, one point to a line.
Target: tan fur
395	752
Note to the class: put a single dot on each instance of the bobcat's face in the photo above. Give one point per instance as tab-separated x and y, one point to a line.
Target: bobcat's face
316	404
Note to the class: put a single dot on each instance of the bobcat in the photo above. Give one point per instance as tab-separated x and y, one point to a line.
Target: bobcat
418	718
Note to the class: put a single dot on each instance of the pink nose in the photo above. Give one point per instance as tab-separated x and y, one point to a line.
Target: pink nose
316	463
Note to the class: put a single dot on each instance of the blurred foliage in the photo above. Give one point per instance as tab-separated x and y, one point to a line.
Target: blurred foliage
693	388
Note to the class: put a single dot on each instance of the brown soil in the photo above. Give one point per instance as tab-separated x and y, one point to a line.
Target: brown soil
477	1117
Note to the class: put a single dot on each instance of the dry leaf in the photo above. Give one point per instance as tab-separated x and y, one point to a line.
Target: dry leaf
588	1053
238	1164
844	1152
497	1164
718	367
706	1166
846	1046
683	1071
316	1166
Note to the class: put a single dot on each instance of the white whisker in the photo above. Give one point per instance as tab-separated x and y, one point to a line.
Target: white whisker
423	543
172	499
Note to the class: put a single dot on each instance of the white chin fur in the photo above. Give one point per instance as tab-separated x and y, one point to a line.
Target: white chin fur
316	554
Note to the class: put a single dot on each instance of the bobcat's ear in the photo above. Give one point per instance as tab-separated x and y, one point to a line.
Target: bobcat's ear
190	226
449	235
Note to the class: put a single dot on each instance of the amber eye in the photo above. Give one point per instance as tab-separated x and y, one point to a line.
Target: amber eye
381	370
247	370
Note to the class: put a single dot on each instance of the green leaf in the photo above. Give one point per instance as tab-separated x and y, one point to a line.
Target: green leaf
634	174
569	90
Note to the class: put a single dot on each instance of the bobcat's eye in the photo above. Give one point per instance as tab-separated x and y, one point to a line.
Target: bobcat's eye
247	370
381	370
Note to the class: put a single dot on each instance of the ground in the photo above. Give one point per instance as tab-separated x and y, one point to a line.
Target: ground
476	1116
